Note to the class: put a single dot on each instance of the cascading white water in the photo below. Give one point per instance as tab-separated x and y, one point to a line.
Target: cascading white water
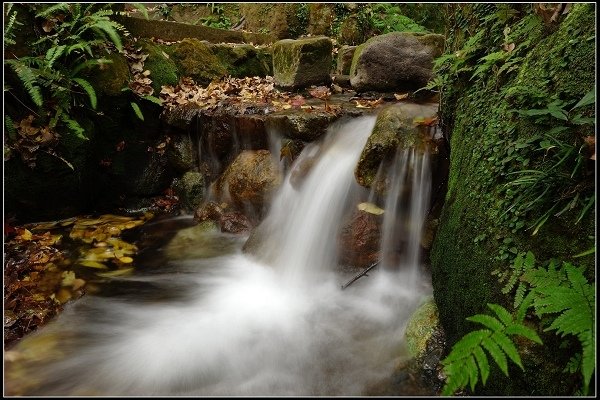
272	324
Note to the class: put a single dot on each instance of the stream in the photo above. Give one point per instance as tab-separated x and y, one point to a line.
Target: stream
201	317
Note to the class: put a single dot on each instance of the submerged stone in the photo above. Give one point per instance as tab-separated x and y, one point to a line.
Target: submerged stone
303	62
421	326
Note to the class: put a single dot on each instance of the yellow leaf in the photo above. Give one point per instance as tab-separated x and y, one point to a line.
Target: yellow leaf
68	277
92	264
401	96
118	272
125	260
370	208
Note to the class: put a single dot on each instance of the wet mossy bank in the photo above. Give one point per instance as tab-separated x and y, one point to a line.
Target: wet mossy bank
484	223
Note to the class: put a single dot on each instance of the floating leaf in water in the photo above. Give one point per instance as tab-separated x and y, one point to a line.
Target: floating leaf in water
118	272
92	264
370	208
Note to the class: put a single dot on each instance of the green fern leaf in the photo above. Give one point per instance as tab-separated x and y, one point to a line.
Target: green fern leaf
137	111
518	329
466	344
73	126
111	32
508	347
588	359
53	54
64	7
28	79
519	295
89	63
497	354
482	361
89	89
487	321
502	313
10	128
471	368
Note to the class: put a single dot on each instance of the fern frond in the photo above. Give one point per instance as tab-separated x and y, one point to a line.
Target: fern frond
53	54
109	28
497	354
508	347
73	126
482	361
137	111
53	9
89	63
89	89
28	78
502	313
487	321
522	330
10	127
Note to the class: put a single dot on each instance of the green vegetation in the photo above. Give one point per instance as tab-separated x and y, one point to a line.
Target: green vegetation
517	108
563	300
73	38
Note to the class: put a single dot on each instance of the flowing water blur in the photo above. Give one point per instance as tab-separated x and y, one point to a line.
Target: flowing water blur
274	322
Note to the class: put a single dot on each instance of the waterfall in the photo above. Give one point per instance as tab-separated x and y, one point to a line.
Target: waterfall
271	323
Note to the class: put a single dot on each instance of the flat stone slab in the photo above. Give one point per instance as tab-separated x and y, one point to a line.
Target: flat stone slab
302	62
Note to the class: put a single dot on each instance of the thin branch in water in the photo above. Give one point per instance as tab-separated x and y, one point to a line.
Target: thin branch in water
360	275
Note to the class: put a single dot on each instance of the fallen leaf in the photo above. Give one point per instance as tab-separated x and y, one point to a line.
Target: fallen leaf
370	208
401	96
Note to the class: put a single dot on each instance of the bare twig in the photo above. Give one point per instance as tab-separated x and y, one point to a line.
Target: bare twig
360	275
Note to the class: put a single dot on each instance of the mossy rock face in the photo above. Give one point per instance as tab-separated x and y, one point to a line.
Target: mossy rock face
242	60
352	32
344	59
395	126
421	326
163	70
478	231
394	61
196	60
109	79
303	62
249	181
181	153
190	190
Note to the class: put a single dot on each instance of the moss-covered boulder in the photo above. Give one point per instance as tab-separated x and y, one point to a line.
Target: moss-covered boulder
163	70
250	181
243	60
181	152
303	62
396	125
190	190
485	223
195	59
111	78
344	59
421	327
301	125
395	61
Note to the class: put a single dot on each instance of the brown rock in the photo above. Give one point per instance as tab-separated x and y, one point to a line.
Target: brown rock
359	240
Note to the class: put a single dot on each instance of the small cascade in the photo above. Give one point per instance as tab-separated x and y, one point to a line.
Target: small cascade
273	322
406	207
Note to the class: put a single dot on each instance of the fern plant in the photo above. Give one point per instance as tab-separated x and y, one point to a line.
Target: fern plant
73	40
559	291
468	362
565	294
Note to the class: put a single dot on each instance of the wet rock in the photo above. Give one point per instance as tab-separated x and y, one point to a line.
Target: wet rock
163	70
395	126
303	62
359	240
201	241
299	124
243	60
249	181
210	211
344	59
420	327
181	153
182	117
235	222
395	61
190	190
196	60
112	77
140	172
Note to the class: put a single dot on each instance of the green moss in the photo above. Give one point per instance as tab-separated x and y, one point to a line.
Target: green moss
110	79
303	62
244	60
163	70
478	231
195	59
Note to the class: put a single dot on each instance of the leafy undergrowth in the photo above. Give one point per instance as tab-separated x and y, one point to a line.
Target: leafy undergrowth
251	92
48	264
